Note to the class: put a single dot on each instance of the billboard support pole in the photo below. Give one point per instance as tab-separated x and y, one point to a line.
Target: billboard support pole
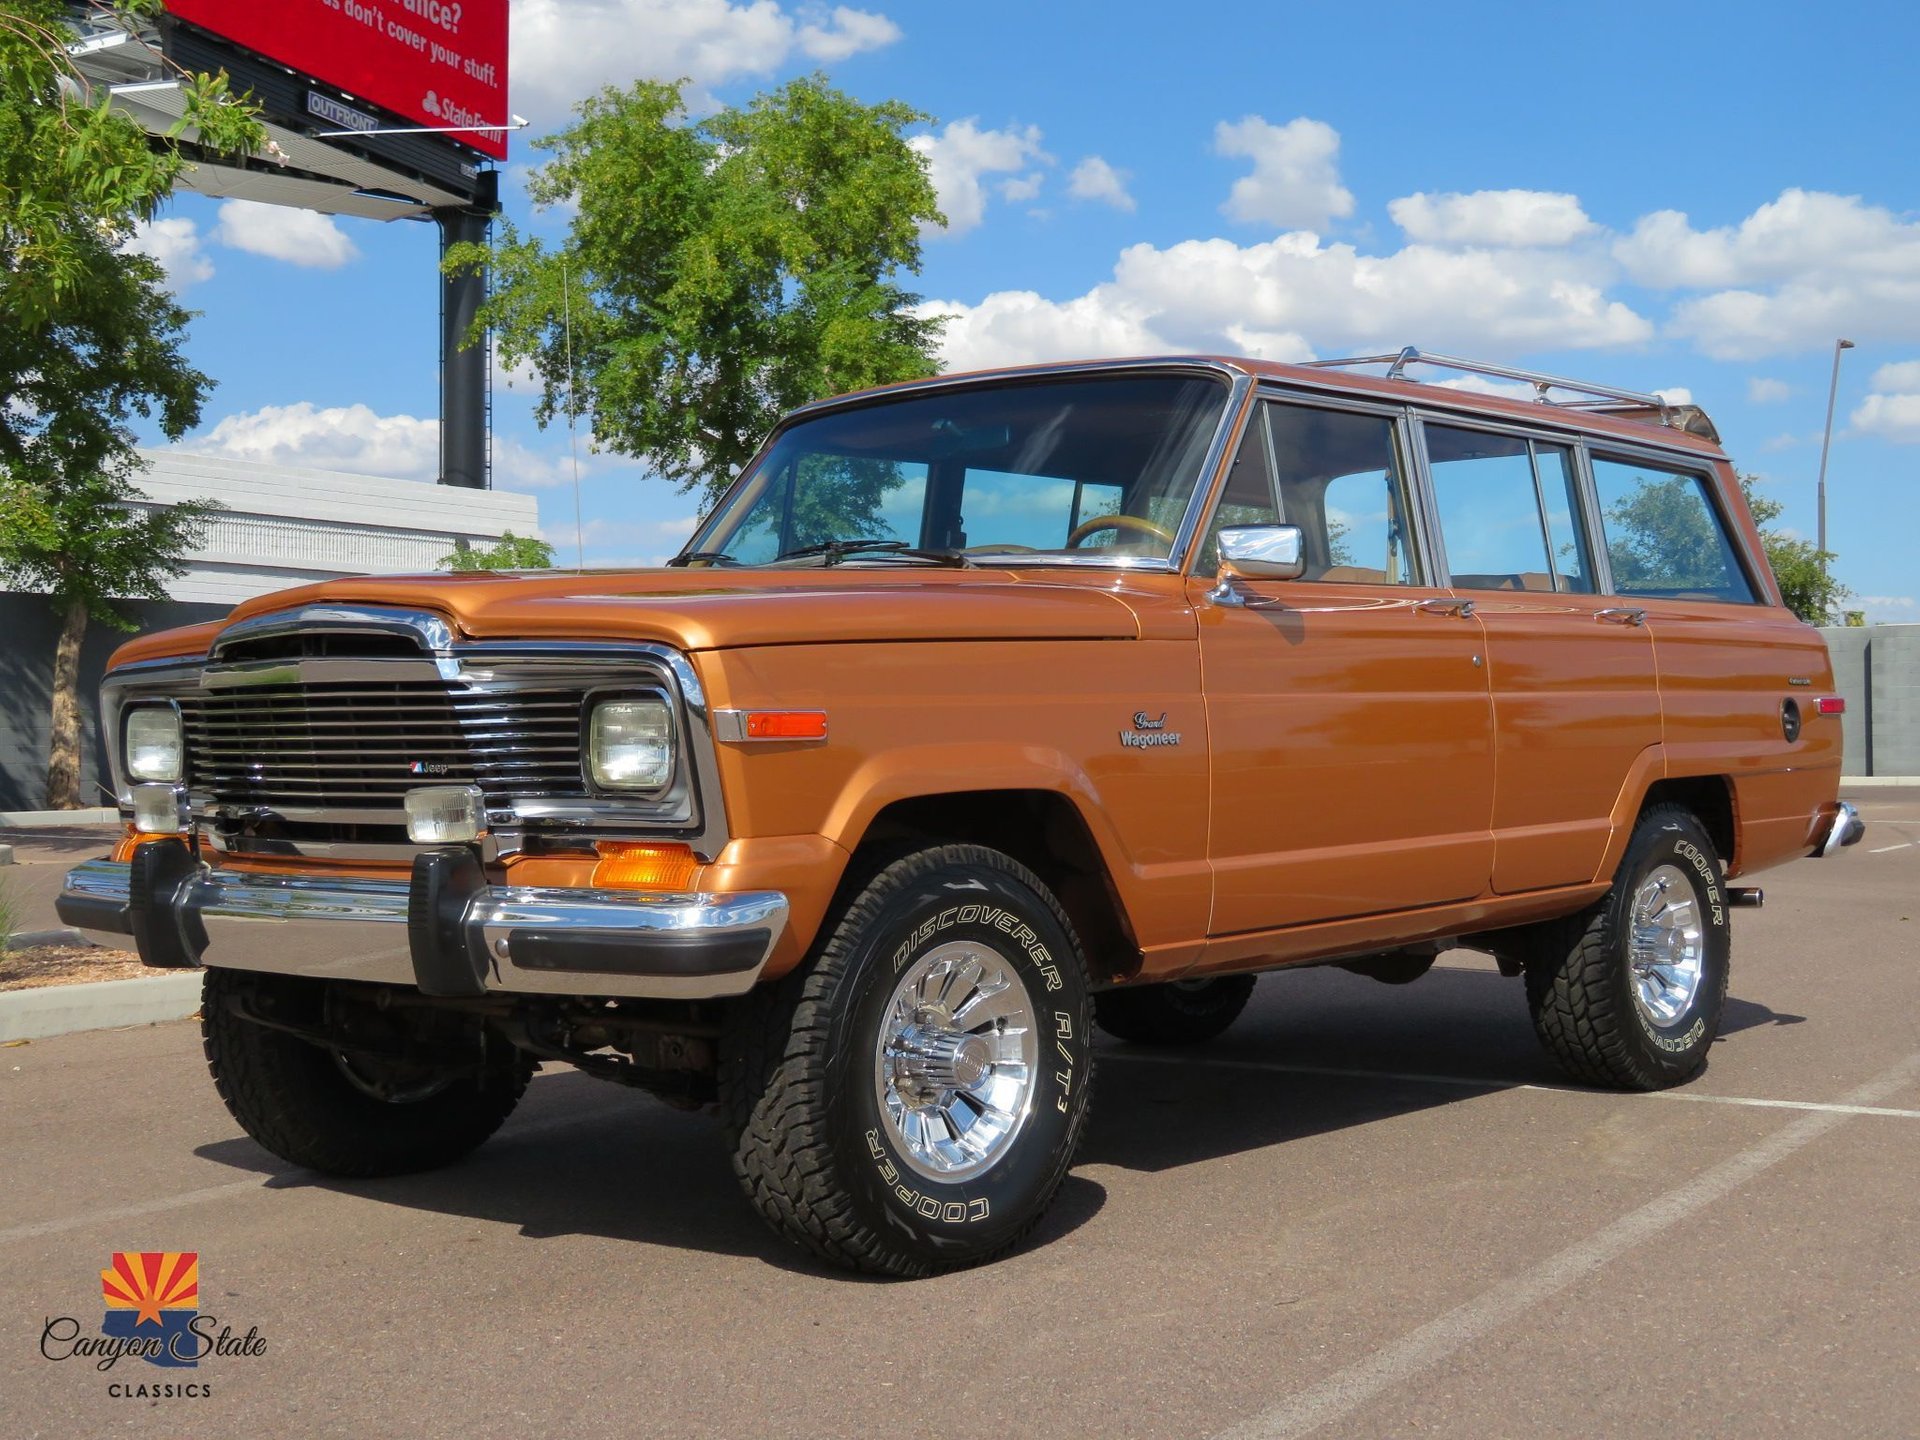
463	367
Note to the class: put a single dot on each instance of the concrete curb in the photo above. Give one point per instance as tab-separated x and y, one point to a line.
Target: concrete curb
1879	782
65	936
6	854
55	819
101	1005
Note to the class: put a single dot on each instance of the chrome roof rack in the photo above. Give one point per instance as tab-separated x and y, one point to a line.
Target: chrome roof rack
1599	399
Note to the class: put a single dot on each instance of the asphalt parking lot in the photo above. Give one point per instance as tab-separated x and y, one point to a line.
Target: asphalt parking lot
1366	1211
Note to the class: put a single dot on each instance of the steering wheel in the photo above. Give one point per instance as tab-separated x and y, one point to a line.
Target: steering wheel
1095	524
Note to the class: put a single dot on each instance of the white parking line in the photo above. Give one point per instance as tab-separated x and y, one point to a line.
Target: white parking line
1903	845
258	1185
1494	1082
1345	1391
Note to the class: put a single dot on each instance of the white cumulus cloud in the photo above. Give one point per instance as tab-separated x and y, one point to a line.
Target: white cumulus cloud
1094	179
565	50
176	245
1015	327
1492	217
1022	188
961	154
1288	297
358	440
1795	274
282	232
1887	609
1891	410
1295	182
844	33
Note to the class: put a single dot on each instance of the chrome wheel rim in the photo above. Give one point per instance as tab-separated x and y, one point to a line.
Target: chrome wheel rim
1667	954
955	1060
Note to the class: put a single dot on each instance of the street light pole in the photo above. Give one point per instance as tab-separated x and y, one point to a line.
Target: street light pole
1826	443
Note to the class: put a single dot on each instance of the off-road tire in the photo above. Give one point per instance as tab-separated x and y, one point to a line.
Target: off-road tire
797	1081
1579	978
1175	1013
294	1098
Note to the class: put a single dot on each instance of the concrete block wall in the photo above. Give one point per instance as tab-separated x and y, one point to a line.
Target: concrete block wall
1878	669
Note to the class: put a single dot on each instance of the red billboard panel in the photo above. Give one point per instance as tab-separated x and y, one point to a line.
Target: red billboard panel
437	62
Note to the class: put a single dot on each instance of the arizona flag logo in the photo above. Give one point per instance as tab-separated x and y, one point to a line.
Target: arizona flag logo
154	1294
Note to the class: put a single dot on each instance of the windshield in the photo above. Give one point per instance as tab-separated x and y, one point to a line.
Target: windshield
1072	469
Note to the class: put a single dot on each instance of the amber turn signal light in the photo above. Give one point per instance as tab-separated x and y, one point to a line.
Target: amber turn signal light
644	867
786	725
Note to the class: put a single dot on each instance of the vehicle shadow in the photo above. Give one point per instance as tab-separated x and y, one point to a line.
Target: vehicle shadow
1463	1033
1747	1014
582	1157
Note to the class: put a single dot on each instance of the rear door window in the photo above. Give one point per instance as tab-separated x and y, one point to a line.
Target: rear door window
1665	536
1507	505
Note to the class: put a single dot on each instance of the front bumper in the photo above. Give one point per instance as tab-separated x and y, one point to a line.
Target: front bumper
443	930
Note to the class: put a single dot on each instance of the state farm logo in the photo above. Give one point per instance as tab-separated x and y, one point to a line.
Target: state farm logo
152	1300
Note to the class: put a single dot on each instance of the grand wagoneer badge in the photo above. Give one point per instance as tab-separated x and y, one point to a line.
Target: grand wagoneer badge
1147	732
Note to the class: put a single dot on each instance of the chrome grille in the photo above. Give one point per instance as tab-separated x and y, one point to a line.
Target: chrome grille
302	748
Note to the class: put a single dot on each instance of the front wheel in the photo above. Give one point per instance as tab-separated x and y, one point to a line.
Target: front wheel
910	1101
342	1110
1630	992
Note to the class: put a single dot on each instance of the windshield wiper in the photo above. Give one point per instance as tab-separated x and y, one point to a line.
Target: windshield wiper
837	550
712	557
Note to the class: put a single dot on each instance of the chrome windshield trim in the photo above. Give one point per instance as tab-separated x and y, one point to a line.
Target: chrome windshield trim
1016	373
1092	560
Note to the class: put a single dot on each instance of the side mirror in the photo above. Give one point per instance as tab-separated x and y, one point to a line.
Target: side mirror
1262	552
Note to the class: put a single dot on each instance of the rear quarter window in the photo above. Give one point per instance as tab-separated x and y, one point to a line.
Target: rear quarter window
1665	536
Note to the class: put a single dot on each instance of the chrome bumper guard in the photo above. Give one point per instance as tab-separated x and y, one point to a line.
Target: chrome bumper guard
1846	829
443	931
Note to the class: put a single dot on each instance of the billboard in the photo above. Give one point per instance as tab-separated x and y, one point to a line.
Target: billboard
435	62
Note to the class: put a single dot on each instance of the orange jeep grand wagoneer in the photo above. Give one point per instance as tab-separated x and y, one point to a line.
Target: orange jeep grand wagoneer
982	711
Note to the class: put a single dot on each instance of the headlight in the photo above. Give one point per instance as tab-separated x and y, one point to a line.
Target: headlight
153	743
630	744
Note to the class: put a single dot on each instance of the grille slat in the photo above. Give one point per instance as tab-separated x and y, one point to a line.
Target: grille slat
351	745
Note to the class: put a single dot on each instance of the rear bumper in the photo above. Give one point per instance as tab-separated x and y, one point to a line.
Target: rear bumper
1843	830
443	931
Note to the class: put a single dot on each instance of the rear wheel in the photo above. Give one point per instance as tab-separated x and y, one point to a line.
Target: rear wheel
911	1100
345	1110
1630	992
1177	1012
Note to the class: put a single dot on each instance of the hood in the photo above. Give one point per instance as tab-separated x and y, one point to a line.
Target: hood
723	609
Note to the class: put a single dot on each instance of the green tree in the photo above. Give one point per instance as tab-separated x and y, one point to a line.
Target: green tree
1805	571
74	171
717	272
89	339
509	552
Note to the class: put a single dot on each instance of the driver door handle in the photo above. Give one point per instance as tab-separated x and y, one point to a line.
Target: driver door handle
1621	615
1452	605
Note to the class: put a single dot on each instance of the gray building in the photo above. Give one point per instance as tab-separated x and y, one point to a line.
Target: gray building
282	527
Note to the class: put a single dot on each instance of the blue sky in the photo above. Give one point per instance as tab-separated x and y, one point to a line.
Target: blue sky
1697	197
